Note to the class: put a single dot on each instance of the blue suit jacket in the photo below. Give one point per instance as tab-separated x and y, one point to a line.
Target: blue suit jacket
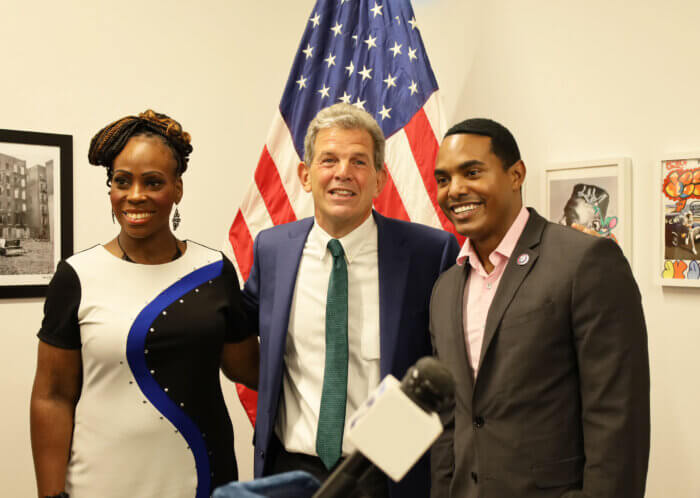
410	259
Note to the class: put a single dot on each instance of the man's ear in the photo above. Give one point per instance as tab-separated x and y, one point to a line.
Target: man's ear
517	174
304	176
382	177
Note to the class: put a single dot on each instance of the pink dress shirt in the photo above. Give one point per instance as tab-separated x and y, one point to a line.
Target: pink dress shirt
480	287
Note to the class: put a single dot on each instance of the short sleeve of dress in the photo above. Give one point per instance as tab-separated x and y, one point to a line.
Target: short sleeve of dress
237	328
60	326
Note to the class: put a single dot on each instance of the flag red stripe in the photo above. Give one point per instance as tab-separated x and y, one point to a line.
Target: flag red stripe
242	244
389	202
272	191
249	400
424	147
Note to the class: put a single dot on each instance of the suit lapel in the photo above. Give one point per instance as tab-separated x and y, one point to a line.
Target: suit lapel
456	291
286	267
393	261
513	276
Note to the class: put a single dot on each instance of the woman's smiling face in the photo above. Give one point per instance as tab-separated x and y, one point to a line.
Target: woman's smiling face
144	186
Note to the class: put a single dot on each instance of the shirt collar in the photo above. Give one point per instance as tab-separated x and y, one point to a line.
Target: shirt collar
352	243
505	247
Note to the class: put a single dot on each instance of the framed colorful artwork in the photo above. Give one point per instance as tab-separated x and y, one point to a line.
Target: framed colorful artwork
679	264
595	194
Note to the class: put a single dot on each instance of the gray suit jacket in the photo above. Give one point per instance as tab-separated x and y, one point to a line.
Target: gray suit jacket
560	406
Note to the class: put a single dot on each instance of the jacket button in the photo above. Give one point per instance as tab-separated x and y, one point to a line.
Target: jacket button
475	477
478	422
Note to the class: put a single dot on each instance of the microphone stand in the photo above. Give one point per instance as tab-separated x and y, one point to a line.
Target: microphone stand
345	482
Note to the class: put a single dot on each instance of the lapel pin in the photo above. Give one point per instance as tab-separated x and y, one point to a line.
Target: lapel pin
523	259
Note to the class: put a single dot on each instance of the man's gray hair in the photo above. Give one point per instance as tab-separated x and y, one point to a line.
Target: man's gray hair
348	117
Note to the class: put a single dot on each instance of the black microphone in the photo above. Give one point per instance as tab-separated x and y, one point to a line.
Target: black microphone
429	385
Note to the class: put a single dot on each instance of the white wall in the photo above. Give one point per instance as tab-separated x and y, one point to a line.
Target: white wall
573	81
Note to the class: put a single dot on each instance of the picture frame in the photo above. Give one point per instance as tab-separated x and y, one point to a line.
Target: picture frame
594	193
36	209
679	220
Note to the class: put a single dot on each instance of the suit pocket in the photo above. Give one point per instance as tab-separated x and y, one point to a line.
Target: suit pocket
559	473
520	315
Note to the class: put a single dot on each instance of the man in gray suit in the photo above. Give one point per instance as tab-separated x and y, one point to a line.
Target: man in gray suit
543	330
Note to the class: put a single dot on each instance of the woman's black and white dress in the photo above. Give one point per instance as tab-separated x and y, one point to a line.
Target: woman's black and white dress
151	419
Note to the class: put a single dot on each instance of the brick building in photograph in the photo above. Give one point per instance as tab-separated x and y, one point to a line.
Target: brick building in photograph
38	200
13	198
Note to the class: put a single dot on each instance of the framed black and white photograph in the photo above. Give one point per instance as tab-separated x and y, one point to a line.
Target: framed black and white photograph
36	209
595	194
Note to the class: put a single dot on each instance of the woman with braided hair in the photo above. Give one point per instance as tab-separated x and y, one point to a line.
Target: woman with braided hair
126	399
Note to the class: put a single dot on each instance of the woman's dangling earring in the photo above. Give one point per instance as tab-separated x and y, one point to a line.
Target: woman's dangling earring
176	219
113	217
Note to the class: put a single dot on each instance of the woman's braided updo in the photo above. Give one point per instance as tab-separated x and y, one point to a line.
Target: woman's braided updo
106	145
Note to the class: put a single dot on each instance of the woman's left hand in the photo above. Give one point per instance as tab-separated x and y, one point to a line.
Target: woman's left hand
240	361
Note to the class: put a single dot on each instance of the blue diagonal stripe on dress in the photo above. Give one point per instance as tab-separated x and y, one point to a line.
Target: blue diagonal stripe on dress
135	346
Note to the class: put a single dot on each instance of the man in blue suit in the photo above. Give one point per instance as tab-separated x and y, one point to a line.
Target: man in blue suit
340	301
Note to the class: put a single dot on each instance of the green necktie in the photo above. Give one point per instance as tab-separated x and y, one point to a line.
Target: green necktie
331	417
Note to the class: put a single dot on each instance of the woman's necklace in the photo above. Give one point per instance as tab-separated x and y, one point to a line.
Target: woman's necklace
126	257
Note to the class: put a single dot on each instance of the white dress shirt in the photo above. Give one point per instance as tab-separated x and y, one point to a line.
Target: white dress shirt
305	353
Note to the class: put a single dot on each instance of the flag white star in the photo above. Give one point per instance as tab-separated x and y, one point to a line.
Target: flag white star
385	112
308	51
343	1
413	23
371	42
337	29
315	20
411	53
350	69
360	103
301	82
413	87
324	91
330	60
390	81
396	49
377	10
398	21
345	98
365	73
354	37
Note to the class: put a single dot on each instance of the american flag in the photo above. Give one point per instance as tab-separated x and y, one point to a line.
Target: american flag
370	54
